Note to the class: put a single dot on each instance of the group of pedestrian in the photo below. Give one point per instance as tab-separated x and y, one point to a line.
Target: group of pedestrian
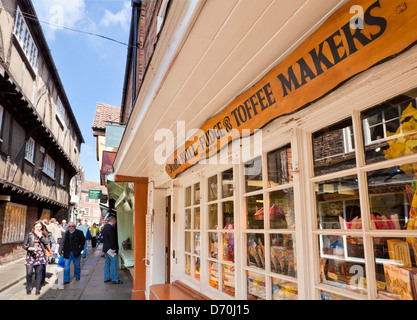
48	240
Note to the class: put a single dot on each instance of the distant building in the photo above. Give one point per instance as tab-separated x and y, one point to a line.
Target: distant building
89	209
40	139
105	114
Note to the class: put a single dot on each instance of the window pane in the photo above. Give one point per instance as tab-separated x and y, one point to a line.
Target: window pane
279	167
196	268
197	243
332	149
389	129
395	268
228	280
253	175
228	215
197	218
213	274
338	204
255	212
228	246
256	286
281	211
227	183
342	262
284	290
256	250
283	254
187	219
213	217
391	192
188	265
212	188
188	197
188	241
213	245
197	193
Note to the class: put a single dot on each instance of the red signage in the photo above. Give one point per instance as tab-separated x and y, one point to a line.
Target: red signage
107	162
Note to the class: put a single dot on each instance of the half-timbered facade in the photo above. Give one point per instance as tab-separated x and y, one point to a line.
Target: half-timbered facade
39	137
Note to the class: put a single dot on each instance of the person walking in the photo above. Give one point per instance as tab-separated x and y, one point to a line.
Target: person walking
86	231
110	249
72	243
35	243
94	230
64	225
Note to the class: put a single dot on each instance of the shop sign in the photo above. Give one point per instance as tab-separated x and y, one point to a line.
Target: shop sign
340	49
114	134
107	162
94	194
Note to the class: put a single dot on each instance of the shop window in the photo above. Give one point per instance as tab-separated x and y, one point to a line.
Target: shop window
396	268
338	204
256	286
253	175
389	128
342	262
284	290
270	228
279	167
221	233
385	228
14	223
192	235
333	149
227	184
391	193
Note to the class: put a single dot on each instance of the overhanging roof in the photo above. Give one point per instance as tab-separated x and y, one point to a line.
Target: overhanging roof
208	53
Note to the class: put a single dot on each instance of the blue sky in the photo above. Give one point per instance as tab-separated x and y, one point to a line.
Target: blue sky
91	68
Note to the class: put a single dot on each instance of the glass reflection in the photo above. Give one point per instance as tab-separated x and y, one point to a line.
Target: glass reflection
281	210
391	194
342	262
253	175
279	167
334	148
389	129
338	204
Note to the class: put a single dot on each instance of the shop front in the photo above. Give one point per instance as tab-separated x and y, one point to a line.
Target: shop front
319	200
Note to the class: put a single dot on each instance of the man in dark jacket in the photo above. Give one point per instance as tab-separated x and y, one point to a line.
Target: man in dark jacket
110	249
72	244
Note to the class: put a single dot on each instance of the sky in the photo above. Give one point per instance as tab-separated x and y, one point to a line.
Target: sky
91	68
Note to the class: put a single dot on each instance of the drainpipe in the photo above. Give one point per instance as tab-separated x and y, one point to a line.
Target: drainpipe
136	7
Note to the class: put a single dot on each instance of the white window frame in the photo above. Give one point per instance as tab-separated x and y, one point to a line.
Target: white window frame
30	150
49	166
25	39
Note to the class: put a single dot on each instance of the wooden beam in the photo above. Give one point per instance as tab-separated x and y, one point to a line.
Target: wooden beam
118	178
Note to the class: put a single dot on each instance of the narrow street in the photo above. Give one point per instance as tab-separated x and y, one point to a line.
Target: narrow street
90	287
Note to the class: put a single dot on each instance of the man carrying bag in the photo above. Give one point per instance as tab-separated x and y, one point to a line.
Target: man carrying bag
71	247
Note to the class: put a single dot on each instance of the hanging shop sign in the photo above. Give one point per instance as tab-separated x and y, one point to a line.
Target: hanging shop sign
107	162
344	46
94	194
114	134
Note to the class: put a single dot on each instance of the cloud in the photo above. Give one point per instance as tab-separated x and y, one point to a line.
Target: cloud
61	13
121	18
